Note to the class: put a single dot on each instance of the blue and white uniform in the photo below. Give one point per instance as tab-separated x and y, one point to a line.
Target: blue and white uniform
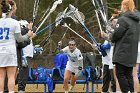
8	54
75	59
107	60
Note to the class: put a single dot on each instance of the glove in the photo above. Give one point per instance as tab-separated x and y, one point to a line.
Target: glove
103	52
105	45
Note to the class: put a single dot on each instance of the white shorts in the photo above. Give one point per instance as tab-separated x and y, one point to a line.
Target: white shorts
8	60
73	69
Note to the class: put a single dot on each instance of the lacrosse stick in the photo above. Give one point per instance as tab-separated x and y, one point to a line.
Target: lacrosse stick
57	21
48	26
98	8
76	16
46	12
35	10
51	10
65	25
98	21
103	9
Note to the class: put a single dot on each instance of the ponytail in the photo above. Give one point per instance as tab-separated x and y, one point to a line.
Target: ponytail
6	6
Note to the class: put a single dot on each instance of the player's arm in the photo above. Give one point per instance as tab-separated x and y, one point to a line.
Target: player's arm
18	36
80	59
21	38
64	50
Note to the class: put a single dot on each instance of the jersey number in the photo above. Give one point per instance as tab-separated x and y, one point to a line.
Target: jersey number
4	33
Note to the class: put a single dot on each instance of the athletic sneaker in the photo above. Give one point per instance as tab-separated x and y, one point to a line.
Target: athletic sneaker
66	92
11	92
71	89
21	91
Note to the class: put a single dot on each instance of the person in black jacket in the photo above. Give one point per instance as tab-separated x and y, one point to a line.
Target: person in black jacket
126	37
26	51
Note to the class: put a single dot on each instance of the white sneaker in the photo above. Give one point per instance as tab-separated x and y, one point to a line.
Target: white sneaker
71	89
66	91
21	91
118	92
11	92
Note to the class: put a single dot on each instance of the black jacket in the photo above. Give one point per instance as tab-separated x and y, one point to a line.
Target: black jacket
21	45
125	37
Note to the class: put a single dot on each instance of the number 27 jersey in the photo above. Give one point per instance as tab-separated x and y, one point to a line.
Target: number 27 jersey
8	28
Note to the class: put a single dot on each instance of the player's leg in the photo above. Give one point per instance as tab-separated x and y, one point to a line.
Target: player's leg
67	75
72	83
11	72
2	78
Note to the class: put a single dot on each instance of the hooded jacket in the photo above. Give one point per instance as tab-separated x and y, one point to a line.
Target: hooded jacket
126	37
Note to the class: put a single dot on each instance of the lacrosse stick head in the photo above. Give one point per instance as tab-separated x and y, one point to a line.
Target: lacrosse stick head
74	14
61	15
58	1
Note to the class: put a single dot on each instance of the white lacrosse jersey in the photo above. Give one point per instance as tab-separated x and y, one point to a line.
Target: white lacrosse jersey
107	60
8	54
73	57
28	50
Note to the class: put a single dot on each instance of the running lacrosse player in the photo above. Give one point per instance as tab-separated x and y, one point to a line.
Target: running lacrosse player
9	32
74	65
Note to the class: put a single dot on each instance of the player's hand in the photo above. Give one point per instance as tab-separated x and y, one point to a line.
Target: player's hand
114	22
30	25
30	33
103	34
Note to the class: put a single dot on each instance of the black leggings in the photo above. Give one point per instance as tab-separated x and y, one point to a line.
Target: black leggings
107	78
125	79
23	76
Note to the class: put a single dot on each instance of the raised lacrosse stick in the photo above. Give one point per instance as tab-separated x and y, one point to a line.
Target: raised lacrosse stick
51	10
74	14
58	20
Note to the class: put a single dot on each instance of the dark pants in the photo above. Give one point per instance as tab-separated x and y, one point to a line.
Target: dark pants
125	79
23	76
107	78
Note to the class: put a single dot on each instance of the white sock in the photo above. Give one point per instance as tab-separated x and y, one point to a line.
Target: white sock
11	92
118	92
66	91
1	91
